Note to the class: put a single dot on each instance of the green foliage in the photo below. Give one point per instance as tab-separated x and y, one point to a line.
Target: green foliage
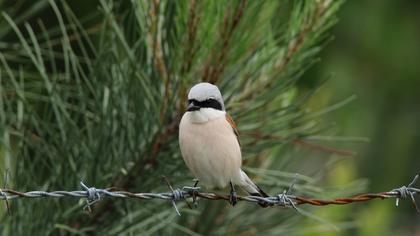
98	97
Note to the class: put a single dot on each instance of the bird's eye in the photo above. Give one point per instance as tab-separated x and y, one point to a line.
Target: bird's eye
192	101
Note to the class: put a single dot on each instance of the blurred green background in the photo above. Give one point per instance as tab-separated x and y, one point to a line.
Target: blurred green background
375	55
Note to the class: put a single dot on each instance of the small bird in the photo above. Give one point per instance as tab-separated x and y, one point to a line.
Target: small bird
209	143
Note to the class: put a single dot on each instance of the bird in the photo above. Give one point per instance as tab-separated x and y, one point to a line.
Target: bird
208	139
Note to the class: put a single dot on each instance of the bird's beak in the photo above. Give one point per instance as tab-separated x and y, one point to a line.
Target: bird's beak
192	107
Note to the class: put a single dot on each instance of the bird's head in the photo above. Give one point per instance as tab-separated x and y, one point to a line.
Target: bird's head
205	95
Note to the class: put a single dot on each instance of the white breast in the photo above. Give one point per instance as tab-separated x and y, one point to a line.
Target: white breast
204	115
210	148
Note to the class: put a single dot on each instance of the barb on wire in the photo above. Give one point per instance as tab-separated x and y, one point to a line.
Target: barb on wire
6	200
405	191
182	194
176	195
93	196
285	199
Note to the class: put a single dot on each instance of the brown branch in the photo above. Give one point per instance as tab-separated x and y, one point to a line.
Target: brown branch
323	148
301	142
170	129
154	39
212	72
189	50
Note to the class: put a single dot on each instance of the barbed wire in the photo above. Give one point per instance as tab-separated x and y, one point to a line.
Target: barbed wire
285	199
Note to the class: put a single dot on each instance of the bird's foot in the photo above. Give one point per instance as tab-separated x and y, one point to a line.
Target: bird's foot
194	194
233	197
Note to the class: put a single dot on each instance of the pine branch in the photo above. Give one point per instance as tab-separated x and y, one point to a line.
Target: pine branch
103	103
293	47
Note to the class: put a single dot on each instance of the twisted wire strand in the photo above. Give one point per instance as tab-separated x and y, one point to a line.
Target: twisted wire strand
284	199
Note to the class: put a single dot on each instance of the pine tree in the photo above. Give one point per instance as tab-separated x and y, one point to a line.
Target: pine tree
98	98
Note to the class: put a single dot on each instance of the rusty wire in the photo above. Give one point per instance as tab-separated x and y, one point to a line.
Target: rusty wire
285	199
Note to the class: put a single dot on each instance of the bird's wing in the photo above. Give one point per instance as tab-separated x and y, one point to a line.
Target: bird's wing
233	125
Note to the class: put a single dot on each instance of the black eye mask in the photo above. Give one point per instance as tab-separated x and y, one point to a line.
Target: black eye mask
208	103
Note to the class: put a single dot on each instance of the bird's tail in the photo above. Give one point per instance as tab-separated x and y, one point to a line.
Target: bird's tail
253	189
